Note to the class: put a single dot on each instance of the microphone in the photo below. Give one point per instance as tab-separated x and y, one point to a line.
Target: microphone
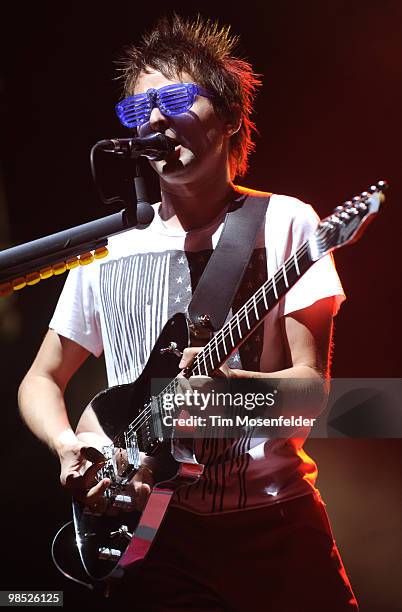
155	147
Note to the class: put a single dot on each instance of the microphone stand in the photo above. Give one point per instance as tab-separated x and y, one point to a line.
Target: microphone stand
28	263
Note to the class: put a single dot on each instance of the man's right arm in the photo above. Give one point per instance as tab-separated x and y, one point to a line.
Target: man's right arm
41	394
42	406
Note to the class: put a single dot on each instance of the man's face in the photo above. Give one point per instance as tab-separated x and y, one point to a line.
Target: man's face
199	134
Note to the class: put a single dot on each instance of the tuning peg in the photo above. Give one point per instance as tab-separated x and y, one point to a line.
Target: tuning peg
324	224
382	185
339	209
364	195
372	188
356	200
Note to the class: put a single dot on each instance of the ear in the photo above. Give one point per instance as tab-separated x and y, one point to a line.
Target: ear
233	122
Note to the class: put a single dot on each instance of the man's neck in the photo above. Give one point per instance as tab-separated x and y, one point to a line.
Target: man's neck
194	205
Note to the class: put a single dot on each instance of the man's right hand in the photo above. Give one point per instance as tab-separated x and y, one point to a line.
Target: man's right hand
80	461
79	465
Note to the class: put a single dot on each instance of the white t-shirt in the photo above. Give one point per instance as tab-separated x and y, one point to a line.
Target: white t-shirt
120	304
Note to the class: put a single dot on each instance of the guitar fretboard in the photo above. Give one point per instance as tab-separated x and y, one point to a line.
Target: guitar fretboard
245	321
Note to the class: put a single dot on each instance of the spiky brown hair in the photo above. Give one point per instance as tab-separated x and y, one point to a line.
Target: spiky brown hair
203	49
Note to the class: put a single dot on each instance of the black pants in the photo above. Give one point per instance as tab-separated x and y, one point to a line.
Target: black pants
279	559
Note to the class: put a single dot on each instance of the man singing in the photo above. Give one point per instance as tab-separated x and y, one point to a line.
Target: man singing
253	532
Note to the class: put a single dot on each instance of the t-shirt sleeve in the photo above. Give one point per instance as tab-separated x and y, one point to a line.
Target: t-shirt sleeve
76	316
321	280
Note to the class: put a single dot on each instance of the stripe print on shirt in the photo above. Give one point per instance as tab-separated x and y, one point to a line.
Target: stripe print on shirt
134	297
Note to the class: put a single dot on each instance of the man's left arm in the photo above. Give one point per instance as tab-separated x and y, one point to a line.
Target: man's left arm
306	336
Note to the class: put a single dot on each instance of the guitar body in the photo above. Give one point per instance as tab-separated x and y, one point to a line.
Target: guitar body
105	541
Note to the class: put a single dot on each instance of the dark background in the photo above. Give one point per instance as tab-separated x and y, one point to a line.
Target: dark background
329	122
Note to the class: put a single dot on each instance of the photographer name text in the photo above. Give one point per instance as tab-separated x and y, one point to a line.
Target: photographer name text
238	421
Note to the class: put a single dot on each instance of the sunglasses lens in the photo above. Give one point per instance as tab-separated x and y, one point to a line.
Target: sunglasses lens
175	99
134	111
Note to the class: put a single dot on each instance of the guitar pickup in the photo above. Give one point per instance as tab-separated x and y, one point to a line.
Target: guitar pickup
156	419
126	460
133	453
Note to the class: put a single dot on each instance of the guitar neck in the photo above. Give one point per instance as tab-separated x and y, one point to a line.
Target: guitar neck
344	226
245	321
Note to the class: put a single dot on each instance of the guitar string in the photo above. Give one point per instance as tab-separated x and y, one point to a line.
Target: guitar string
248	306
266	287
143	416
246	309
219	338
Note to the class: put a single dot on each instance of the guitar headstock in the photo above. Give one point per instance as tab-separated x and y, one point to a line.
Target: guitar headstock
347	222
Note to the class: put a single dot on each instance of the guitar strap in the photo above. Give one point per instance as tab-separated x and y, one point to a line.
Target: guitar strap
221	278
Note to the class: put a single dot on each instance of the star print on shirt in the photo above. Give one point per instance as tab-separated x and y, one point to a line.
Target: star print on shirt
180	260
179	280
178	299
188	288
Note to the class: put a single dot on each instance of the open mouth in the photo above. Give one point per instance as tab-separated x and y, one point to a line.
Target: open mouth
175	154
173	141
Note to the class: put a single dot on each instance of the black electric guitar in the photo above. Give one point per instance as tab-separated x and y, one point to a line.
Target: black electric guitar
131	414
